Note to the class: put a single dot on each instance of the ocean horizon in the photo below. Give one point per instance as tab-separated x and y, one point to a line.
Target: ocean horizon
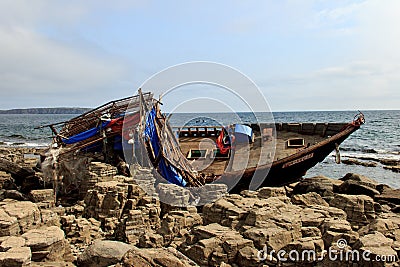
378	138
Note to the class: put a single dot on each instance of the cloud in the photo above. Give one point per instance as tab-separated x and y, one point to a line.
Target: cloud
338	15
356	85
310	51
28	57
34	63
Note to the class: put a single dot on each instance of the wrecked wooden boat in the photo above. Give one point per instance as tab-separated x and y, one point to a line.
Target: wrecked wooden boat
255	155
134	131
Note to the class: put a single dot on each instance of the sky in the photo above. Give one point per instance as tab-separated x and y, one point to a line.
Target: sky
302	55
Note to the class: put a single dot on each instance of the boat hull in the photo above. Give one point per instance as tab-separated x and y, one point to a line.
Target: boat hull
285	171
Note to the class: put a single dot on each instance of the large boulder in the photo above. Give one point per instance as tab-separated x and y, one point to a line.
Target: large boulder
47	243
336	229
314	216
176	223
355	184
156	257
202	251
274	237
14	194
322	185
102	253
303	246
378	247
389	226
231	246
43	197
209	193
214	244
231	210
359	209
360	179
26	213
355	188
276	212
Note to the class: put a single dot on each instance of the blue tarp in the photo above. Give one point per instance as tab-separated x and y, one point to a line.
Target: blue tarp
118	142
85	135
167	171
243	133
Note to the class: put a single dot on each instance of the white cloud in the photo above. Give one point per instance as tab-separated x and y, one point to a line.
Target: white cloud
30	60
33	63
338	14
356	85
342	51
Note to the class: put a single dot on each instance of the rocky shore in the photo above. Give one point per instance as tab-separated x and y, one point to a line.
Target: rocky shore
388	164
318	221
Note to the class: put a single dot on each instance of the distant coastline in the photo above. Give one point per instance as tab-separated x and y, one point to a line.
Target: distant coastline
45	111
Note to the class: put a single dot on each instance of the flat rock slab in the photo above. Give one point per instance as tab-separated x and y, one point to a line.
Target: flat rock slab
42	195
26	212
390	195
309	199
43	237
8	225
156	257
12	242
16	257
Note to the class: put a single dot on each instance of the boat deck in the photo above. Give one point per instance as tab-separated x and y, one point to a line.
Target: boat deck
245	156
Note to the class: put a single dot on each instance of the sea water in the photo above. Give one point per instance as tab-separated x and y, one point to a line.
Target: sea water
378	138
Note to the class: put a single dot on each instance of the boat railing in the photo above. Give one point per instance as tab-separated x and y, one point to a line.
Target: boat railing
197	131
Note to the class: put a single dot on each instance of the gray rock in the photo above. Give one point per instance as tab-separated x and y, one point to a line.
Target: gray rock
360	179
103	253
353	187
44	237
359	162
320	184
168	257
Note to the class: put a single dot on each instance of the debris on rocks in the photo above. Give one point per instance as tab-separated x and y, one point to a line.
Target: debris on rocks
119	220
